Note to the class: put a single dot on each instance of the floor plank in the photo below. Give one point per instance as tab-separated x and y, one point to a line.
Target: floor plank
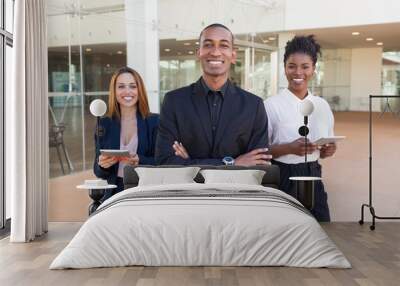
375	257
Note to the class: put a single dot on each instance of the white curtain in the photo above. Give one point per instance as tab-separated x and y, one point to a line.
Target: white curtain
27	123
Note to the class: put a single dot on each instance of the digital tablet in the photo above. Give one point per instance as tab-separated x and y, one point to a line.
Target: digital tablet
114	152
328	140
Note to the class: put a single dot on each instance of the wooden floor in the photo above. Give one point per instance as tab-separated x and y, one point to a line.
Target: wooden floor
374	255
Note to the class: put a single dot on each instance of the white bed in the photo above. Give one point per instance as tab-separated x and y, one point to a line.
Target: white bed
201	224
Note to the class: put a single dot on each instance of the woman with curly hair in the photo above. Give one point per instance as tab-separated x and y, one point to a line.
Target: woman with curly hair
284	119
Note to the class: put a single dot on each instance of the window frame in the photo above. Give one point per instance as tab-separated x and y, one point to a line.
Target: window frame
6	39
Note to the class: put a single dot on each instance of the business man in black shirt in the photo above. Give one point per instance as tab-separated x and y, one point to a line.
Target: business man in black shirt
212	121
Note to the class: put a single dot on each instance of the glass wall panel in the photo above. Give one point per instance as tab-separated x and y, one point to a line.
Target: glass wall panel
100	62
332	79
81	63
252	70
178	72
65	99
237	72
7	83
391	81
6	24
261	73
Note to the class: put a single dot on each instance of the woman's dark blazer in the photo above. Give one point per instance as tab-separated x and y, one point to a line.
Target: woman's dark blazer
109	138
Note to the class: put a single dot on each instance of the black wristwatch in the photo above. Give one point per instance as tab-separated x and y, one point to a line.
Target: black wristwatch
229	161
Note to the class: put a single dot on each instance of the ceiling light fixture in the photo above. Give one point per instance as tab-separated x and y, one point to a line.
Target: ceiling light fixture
88	49
119	52
186	44
265	41
369	39
271	38
379	43
355	33
190	53
167	50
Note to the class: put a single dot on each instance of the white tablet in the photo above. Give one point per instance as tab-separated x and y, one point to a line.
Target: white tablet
328	140
114	152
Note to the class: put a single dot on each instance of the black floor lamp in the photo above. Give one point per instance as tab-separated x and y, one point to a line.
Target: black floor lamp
97	188
305	185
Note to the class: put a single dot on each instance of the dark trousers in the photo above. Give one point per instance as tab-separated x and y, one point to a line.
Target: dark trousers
321	209
110	192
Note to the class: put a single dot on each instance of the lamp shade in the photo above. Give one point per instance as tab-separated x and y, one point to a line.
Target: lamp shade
306	107
98	107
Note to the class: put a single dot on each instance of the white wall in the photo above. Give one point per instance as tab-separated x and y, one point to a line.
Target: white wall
311	14
177	19
93	29
366	67
185	19
96	24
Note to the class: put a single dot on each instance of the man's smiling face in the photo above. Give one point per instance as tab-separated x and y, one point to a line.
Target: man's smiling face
216	52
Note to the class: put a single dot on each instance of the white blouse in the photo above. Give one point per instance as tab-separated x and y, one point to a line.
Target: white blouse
131	147
284	120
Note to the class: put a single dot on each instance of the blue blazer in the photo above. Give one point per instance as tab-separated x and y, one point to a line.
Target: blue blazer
185	117
109	138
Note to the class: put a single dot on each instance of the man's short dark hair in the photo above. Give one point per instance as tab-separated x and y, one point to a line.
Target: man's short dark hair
216	25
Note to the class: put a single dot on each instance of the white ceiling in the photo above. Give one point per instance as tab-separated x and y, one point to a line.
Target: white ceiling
329	38
341	37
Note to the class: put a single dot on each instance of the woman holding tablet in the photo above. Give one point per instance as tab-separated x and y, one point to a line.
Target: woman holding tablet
127	126
284	119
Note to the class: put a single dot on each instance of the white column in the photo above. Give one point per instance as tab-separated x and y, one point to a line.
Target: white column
247	85
143	45
366	67
274	73
283	38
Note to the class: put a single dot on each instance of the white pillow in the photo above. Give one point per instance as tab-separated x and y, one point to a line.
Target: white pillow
248	177
166	176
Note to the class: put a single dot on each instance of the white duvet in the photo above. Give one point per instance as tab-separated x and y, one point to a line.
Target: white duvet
188	230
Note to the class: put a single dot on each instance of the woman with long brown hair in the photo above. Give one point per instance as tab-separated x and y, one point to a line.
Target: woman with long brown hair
128	125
